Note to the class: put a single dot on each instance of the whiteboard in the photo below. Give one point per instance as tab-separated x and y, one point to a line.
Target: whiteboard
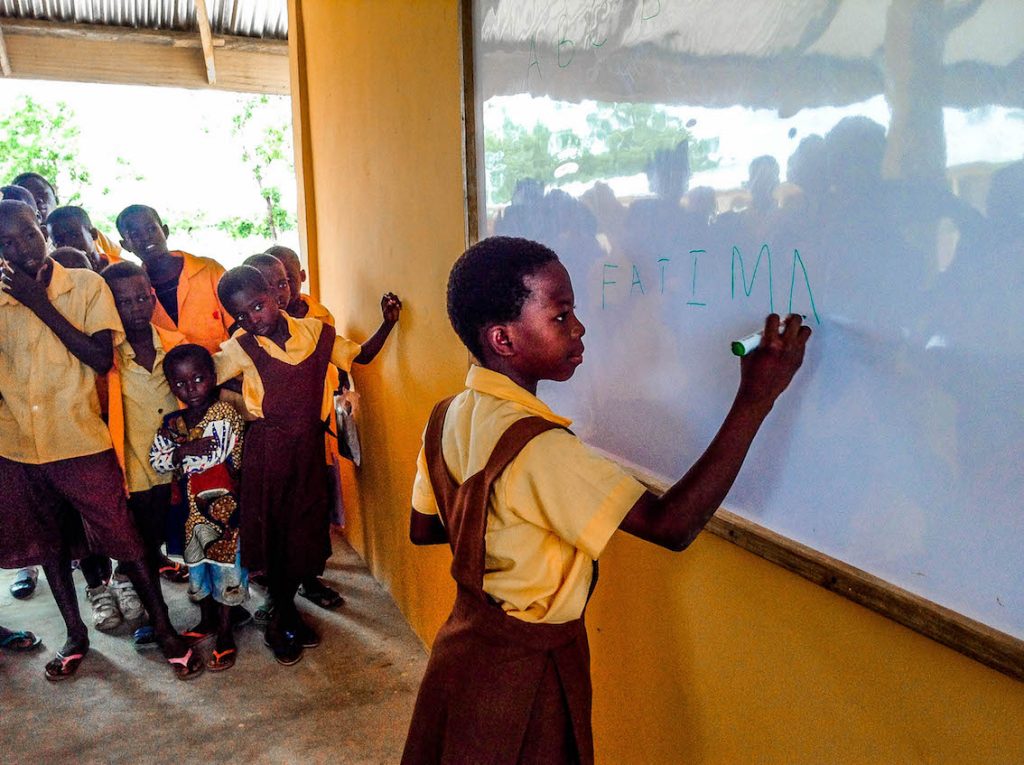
856	162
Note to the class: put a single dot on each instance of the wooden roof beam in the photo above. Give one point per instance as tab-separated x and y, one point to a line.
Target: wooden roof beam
206	37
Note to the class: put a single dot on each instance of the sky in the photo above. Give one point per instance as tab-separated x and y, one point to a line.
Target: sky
180	142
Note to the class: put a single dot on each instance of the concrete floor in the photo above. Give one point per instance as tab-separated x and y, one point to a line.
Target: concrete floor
347	701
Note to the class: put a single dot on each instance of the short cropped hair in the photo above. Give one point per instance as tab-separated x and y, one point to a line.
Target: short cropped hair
261	259
69	211
486	285
132	210
240	278
16	206
18	194
19	180
123	269
191	351
283	254
71	257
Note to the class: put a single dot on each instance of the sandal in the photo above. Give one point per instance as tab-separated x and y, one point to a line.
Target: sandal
188	666
221	660
196	635
20	640
174	572
61	667
144	638
322	595
24	583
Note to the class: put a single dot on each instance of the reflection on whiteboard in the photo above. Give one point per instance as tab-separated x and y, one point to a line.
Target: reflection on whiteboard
697	165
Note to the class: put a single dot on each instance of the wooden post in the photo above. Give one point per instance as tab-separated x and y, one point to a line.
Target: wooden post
206	37
5	60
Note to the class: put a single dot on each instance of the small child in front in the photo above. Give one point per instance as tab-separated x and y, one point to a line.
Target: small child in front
203	442
527	509
285	510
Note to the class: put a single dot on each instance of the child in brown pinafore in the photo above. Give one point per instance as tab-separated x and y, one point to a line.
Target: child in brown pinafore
285	523
527	509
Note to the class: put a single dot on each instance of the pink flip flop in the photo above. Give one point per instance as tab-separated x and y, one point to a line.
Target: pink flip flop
183	668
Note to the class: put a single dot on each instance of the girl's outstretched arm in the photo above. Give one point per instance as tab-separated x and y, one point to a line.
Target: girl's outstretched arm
675	518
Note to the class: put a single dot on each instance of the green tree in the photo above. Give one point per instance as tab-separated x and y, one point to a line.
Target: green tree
38	138
621	139
266	149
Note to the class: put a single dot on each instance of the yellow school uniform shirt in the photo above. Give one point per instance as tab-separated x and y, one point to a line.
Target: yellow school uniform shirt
201	317
317	310
139	400
552	510
303	337
49	409
108	247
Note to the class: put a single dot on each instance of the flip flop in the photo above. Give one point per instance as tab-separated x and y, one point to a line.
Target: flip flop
20	640
221	660
24	583
174	572
183	666
196	635
144	638
62	667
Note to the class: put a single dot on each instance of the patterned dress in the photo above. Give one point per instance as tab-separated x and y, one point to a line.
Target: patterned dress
211	485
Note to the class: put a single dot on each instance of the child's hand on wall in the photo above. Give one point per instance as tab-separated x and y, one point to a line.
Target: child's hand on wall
390	307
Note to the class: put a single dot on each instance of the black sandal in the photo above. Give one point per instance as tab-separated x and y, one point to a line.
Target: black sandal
285	646
322	595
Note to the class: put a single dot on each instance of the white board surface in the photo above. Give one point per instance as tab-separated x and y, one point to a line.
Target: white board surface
856	162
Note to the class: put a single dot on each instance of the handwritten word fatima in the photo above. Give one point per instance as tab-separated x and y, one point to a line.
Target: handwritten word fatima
611	277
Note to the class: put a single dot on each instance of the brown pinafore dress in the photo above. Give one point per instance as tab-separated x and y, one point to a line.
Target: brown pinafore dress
284	498
497	689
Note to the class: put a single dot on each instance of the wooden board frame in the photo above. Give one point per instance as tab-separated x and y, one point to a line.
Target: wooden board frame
971	638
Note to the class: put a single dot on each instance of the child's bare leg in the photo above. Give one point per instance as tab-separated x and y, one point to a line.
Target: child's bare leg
62	586
225	651
70	655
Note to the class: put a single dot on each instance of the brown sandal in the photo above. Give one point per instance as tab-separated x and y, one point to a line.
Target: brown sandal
221	660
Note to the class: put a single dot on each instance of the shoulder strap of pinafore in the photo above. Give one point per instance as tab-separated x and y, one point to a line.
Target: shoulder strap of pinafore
463	507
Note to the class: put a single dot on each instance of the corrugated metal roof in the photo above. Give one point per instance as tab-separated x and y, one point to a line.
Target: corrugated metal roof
267	19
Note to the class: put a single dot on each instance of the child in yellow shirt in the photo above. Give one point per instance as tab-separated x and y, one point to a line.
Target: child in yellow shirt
527	509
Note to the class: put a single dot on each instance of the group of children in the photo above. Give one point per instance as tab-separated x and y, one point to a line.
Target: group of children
171	404
526	508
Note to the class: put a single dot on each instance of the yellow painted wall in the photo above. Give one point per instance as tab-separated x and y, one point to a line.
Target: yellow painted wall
713	656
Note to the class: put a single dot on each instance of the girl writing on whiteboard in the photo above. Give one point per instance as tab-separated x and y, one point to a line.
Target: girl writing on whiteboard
527	509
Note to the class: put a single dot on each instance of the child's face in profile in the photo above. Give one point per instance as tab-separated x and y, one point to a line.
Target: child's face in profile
144	235
255	310
547	336
22	243
135	302
193	382
277	281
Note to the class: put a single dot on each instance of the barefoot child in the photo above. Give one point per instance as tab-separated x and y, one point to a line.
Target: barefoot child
528	509
58	328
203	443
285	515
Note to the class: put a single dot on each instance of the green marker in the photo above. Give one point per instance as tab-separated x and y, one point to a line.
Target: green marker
751	342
